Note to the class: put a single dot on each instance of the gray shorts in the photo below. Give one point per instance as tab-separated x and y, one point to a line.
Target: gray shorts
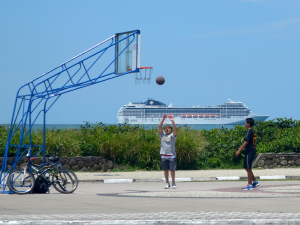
168	164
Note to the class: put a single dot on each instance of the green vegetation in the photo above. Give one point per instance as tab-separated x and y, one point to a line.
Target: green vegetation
138	148
3	137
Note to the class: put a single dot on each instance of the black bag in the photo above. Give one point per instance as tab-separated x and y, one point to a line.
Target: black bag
41	185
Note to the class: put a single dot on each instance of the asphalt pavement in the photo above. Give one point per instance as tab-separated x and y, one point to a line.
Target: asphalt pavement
139	197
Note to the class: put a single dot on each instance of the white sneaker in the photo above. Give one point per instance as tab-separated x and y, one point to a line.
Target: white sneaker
174	185
167	186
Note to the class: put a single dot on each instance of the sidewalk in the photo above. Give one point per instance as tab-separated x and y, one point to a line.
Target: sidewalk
187	175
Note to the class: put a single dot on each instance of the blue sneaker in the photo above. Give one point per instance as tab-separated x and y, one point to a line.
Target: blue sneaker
255	184
248	188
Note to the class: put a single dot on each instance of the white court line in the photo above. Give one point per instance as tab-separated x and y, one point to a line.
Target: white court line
228	178
109	181
178	179
272	177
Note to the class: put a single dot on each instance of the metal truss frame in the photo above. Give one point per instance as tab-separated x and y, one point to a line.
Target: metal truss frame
35	98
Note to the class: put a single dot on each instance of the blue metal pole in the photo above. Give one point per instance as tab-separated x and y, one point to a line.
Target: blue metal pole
44	133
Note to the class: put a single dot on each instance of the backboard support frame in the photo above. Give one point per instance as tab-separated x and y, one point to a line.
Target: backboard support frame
35	98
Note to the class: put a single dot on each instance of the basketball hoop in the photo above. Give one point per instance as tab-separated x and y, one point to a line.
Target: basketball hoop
144	75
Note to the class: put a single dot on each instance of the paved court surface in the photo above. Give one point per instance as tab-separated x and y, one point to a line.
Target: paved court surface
267	191
217	202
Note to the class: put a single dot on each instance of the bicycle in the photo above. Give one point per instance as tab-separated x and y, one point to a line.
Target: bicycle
22	181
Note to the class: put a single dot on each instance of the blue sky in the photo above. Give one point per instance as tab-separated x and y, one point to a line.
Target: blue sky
208	52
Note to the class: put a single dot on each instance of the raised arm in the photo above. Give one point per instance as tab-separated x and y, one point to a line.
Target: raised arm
174	125
160	130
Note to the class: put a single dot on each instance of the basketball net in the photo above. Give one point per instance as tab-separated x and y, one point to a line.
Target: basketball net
144	75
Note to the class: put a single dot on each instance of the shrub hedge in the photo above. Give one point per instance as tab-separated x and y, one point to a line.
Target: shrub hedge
138	148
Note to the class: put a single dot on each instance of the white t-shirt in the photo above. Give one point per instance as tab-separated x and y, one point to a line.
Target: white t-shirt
167	145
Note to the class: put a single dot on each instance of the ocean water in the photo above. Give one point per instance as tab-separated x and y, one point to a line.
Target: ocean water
78	126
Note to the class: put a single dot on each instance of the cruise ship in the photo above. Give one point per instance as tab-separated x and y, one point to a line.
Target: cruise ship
152	111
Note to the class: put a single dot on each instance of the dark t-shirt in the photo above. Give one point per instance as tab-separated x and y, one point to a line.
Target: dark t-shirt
251	138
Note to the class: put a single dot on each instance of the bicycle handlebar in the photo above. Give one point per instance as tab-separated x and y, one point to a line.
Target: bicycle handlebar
32	146
53	154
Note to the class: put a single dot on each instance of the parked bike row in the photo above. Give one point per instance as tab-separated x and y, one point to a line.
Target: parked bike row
35	178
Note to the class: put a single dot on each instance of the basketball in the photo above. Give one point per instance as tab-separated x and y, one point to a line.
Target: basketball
160	80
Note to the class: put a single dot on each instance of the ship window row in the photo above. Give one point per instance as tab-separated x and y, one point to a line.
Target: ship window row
193	111
185	111
232	106
192	115
182	112
159	115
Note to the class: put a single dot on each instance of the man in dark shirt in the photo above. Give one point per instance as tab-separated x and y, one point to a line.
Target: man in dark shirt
250	145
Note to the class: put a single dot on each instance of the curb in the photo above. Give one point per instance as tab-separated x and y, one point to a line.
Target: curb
109	181
161	222
228	178
189	179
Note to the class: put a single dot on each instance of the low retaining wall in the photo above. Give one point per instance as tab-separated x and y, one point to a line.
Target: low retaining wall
277	160
98	163
89	163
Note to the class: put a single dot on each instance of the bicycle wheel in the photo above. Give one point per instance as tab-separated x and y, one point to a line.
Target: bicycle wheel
64	181
20	182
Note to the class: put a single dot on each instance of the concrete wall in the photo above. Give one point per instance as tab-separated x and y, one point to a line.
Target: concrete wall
98	163
94	163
